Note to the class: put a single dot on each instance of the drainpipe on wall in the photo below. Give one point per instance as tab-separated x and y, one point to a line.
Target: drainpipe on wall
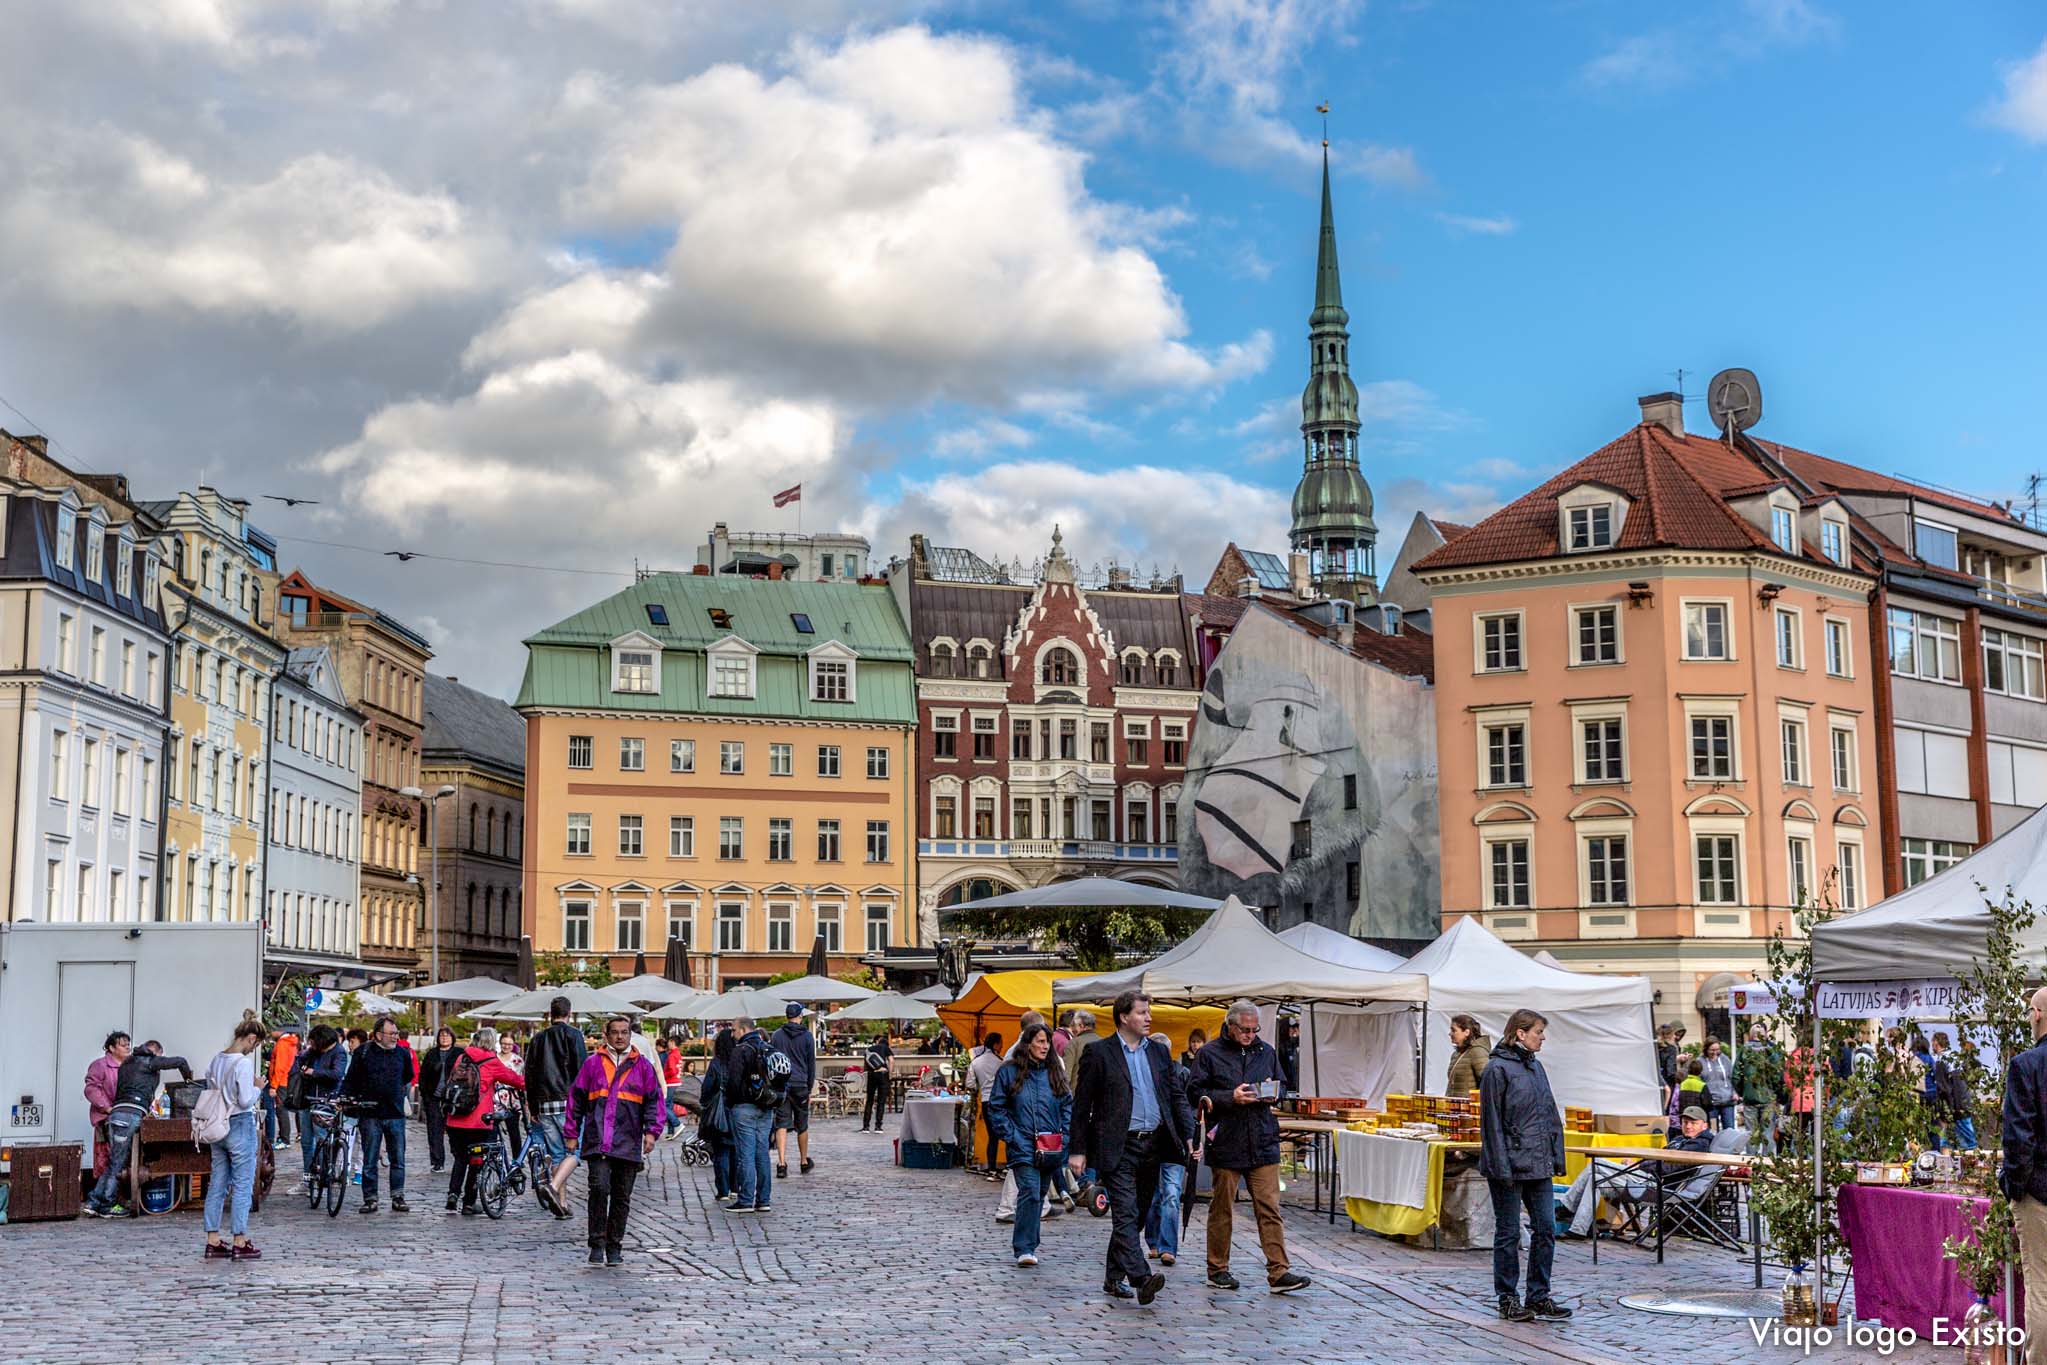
1886	736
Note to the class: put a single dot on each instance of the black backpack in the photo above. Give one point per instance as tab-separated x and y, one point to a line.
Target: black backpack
767	1077
876	1063
461	1087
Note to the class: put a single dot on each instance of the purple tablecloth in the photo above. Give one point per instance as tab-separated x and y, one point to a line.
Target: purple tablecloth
1901	1279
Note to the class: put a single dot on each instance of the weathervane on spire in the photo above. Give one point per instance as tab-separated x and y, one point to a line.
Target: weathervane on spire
1323	110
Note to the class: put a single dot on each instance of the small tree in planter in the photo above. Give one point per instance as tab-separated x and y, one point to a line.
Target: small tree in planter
1992	996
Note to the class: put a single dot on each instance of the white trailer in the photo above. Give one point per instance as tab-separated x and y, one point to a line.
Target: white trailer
64	987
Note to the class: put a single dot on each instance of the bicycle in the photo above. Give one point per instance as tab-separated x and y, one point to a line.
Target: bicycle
335	1150
505	1172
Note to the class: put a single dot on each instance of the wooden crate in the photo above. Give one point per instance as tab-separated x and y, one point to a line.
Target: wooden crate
42	1182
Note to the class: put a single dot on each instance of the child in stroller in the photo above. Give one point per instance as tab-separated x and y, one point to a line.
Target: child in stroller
685	1112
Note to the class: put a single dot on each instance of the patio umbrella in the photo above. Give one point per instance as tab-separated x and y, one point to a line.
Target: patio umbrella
675	966
740	1000
939	995
470	989
640	963
819	988
534	1004
817	966
886	1006
684	1008
650	989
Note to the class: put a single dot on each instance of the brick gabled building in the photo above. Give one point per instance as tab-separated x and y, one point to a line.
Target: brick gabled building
1053	724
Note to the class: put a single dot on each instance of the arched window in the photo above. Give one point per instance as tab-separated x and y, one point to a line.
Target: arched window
1060	667
1133	670
941	658
1168	670
469	910
472	826
978	659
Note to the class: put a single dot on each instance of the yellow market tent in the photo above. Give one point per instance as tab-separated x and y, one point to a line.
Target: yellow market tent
998	1001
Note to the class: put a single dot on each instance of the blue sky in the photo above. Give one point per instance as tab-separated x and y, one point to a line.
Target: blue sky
557	283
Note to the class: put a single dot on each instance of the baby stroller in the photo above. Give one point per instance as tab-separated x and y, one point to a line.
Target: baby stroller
685	1104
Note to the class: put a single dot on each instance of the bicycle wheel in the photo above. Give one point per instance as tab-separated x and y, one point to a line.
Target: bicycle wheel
316	1174
337	1177
492	1190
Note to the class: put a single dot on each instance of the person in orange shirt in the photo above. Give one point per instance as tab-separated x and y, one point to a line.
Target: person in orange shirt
277	1120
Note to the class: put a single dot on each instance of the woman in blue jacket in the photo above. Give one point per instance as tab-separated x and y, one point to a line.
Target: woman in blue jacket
325	1062
1030	1097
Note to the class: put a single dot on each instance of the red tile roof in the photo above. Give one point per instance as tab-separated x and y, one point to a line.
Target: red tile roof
1828	474
1412	653
1448	530
1222	612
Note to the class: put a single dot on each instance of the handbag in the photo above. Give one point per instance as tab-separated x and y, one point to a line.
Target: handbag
717	1120
210	1115
294	1097
1051	1144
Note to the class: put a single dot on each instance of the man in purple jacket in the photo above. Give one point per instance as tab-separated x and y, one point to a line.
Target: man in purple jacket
615	1114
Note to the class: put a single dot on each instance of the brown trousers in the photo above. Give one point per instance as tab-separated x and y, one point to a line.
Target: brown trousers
1263	1182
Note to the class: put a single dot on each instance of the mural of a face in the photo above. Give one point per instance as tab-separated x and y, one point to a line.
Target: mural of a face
1253	795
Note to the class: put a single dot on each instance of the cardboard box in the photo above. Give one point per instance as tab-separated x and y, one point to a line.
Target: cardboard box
1631	1123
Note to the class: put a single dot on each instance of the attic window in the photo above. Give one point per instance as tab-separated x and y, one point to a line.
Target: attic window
657	614
720	618
1834	541
802	622
1784	529
1592	527
635	672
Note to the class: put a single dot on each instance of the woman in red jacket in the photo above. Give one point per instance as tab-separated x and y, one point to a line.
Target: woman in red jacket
475	1076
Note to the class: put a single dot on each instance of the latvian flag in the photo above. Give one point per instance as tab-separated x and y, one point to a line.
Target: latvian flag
789	495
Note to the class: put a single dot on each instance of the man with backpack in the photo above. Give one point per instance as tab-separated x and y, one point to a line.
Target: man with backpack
793	1041
468	1096
761	1079
874	1067
554	1059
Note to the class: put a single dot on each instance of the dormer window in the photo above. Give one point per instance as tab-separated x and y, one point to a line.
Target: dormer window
1592	527
1936	544
149	580
732	668
636	664
124	570
1784	529
832	673
95	550
66	531
1590	517
1834	541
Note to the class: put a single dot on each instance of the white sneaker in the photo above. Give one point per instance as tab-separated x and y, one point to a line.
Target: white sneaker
1005	1218
1027	1259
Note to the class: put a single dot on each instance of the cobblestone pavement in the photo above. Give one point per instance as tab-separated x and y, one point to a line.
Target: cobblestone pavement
859	1261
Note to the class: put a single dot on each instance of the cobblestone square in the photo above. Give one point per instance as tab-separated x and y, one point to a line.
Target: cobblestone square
860	1261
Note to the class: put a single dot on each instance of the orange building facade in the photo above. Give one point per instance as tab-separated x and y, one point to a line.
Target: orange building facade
1654	719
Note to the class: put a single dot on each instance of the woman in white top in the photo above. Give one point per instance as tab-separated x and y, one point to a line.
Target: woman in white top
233	1182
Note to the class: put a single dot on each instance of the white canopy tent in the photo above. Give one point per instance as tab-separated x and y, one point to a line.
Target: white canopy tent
1233	956
1938	928
1353	1052
1600	1049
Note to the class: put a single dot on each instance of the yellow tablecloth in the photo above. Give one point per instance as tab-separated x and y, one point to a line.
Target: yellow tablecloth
1401	1220
1577	1144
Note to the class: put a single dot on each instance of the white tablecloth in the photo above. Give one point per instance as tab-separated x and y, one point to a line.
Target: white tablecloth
1386	1170
931	1120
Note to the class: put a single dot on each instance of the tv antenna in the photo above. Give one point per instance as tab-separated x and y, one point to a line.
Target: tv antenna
1734	398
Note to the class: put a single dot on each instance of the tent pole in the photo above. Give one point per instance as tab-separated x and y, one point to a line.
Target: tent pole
1314	1049
1421	1055
1819	1129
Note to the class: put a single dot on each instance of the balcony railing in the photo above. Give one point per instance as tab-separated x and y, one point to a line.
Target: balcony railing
1049	850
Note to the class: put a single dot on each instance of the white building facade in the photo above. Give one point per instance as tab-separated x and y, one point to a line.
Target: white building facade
822	556
312	894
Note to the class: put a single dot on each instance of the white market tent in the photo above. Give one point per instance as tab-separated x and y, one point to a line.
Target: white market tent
468	990
1233	956
1327	944
1600	1049
1939	927
1351	1052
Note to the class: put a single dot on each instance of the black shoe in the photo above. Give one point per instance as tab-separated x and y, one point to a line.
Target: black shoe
451	1203
1222	1279
1546	1309
596	1255
1118	1290
369	1206
398	1204
613	1256
1150	1287
470	1210
781	1172
805	1168
1288	1283
1512	1310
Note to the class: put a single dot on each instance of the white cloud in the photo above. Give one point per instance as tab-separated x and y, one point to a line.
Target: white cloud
980	439
111	220
1648	59
1497	225
2023	106
862	224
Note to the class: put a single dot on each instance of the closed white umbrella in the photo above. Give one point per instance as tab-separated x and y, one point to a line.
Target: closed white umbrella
887	1005
820	990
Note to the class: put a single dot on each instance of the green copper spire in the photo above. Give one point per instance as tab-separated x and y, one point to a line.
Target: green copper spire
1332	520
1328	283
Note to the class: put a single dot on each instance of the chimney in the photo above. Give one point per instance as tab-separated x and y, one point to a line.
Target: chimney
1247	586
1666	410
1297	575
774	569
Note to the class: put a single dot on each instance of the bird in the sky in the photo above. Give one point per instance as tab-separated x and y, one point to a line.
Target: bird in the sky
292	502
402	556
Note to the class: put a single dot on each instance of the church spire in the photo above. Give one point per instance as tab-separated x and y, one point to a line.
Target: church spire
1328	283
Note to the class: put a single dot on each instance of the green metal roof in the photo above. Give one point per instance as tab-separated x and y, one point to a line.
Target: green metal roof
568	664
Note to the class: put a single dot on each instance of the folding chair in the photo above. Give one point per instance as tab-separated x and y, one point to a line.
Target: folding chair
1695	1209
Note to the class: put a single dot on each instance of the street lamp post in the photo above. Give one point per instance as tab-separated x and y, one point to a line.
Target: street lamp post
433	891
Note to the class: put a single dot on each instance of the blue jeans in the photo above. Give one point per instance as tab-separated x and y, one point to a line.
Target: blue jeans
1722	1116
548	1128
1031	1178
1510	1197
383	1133
122	1126
1162	1225
1965	1134
308	1134
721	1165
234	1172
269	1119
753	1166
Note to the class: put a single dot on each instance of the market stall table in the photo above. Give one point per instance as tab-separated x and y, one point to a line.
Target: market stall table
1320	1135
1631	1158
932	1119
1392	1185
1894	1237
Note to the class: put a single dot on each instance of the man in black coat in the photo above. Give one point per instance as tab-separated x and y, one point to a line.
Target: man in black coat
1240	1076
553	1060
1126	1111
2025	1156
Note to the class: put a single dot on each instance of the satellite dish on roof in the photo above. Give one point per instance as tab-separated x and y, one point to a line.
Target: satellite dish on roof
1735	400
